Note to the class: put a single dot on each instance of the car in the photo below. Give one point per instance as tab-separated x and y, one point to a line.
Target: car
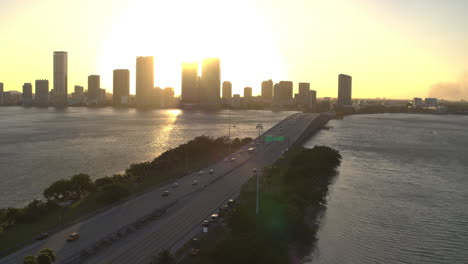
195	182
205	223
254	170
233	159
73	237
251	150
165	193
42	235
231	202
194	252
175	185
211	171
214	217
200	173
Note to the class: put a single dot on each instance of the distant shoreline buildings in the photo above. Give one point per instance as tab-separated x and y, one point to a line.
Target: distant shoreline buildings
206	91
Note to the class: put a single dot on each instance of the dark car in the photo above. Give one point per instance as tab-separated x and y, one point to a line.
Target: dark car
165	193
42	235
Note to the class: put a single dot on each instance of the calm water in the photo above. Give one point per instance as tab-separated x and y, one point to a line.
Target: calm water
40	146
401	195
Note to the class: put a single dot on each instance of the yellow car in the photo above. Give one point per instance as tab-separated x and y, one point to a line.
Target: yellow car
73	237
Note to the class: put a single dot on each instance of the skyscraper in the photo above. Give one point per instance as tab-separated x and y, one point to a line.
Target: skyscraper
144	80
304	89
227	90
94	86
267	90
210	83
1	93
247	92
344	90
190	88
27	94
121	87
60	78
41	97
286	92
312	100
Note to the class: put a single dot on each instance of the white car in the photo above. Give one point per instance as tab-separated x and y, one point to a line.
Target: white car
233	159
211	171
195	182
175	185
200	173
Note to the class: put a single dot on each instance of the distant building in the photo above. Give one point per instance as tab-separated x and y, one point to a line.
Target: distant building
430	102
144	81
102	95
267	90
417	102
156	97
190	87
247	92
344	90
1	93
121	87
312	101
41	98
60	78
210	83
303	96
78	96
94	86
167	98
227	90
27	94
236	101
283	93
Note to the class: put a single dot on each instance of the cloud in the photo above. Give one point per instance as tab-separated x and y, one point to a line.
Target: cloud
451	90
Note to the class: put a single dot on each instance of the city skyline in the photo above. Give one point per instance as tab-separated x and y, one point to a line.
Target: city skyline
370	41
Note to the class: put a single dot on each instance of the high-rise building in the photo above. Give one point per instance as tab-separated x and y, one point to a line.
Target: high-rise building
60	78
121	87
344	90
94	86
144	80
102	95
210	83
304	89
277	93
190	87
167	97
286	90
247	92
227	90
236	101
78	95
267	90
27	94
1	93
312	101
41	98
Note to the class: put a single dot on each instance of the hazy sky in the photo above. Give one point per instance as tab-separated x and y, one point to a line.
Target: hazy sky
391	48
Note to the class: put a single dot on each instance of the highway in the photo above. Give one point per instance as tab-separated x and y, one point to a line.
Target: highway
188	205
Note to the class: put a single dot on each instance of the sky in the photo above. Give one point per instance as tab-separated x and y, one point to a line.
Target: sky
391	48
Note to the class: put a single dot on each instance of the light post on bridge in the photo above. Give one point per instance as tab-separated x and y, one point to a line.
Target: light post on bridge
256	175
259	127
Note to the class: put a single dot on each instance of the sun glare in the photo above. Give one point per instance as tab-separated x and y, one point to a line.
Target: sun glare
175	32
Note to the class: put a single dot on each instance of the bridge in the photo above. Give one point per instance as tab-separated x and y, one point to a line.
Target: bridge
133	231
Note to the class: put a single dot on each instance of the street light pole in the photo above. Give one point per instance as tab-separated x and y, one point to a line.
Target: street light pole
256	207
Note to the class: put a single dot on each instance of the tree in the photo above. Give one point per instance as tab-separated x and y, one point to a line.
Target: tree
112	192
81	183
59	190
44	259
164	257
48	252
29	260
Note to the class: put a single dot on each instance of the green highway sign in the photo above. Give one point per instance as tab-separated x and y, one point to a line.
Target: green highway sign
269	139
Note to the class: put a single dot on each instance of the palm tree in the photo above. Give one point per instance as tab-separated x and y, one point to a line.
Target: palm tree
164	257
